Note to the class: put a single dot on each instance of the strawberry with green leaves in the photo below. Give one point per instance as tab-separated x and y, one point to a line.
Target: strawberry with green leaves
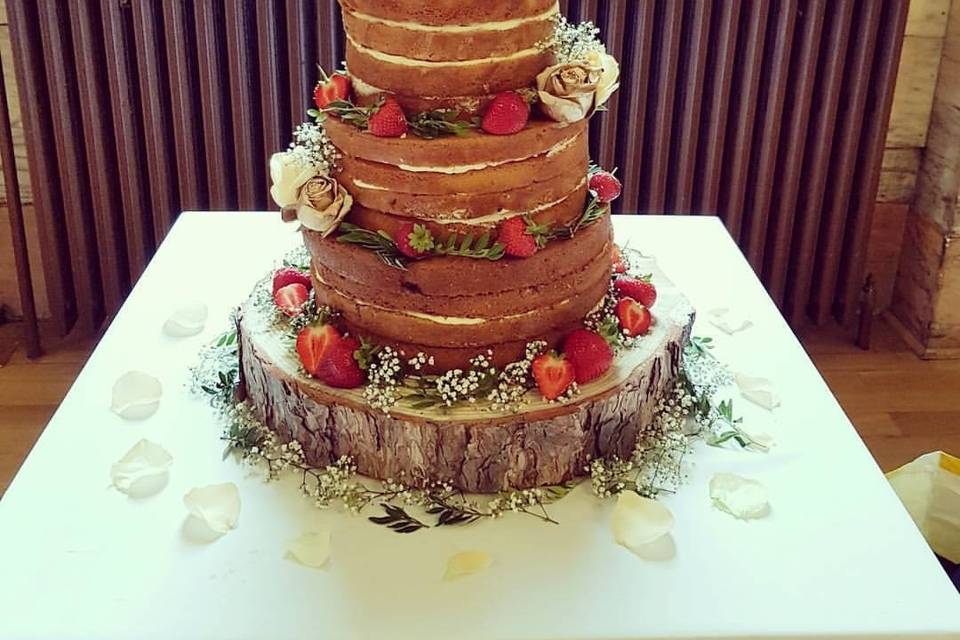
414	240
521	237
640	289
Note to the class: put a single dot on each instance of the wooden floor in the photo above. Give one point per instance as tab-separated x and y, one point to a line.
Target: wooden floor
902	406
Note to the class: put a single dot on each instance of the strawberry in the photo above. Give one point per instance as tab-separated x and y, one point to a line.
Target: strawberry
616	259
413	240
507	114
330	89
291	298
388	121
635	319
514	234
313	343
640	289
606	186
553	373
289	275
589	353
339	367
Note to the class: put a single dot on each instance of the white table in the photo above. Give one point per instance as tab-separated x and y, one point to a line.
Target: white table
837	557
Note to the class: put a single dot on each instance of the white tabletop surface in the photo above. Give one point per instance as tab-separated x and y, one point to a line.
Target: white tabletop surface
837	557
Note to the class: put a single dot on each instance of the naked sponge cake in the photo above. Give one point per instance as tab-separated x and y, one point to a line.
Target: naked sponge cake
461	312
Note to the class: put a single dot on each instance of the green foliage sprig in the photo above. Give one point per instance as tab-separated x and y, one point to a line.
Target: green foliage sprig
470	246
379	242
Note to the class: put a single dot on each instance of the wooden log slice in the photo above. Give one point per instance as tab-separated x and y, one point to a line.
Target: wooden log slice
476	449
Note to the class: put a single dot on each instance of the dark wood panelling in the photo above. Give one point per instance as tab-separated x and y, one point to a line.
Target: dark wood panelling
768	113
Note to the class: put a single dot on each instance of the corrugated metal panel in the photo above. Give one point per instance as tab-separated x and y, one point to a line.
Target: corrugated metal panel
768	113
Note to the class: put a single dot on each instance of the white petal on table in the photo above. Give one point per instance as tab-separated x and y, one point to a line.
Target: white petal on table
466	563
188	320
730	321
312	549
214	510
136	395
743	498
757	390
143	471
643	526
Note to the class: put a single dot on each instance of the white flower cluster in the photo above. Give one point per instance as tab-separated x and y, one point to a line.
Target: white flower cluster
384	376
336	483
572	42
515	501
312	146
515	380
608	477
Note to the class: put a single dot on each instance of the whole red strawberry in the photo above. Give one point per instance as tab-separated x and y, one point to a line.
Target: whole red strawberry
313	342
640	289
507	114
388	121
606	186
414	240
553	374
289	275
635	319
329	89
291	298
589	353
339	368
516	238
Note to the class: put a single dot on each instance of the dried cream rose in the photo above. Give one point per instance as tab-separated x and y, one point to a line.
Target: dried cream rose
567	91
288	174
323	204
609	76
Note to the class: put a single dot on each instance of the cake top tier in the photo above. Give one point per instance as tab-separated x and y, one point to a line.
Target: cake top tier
474	13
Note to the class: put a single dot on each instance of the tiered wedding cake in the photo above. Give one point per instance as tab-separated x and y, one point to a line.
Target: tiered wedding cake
463	314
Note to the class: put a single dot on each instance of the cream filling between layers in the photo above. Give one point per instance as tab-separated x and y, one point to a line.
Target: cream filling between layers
504	215
430	64
480	166
504	25
436	319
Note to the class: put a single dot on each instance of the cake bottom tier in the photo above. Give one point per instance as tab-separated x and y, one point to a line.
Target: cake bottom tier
476	450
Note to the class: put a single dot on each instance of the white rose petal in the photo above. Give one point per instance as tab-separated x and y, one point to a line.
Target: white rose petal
758	391
312	549
761	438
216	507
143	470
729	321
186	321
466	563
643	526
609	79
136	396
288	174
741	497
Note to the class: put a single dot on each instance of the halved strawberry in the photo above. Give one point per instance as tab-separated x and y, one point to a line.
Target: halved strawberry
508	113
635	319
413	240
291	298
606	186
640	289
589	353
339	367
329	89
553	374
289	275
388	121
313	342
616	259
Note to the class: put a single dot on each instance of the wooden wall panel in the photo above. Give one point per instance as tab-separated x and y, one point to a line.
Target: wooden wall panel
768	113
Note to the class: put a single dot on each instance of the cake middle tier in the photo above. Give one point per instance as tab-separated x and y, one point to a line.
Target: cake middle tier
453	309
475	180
